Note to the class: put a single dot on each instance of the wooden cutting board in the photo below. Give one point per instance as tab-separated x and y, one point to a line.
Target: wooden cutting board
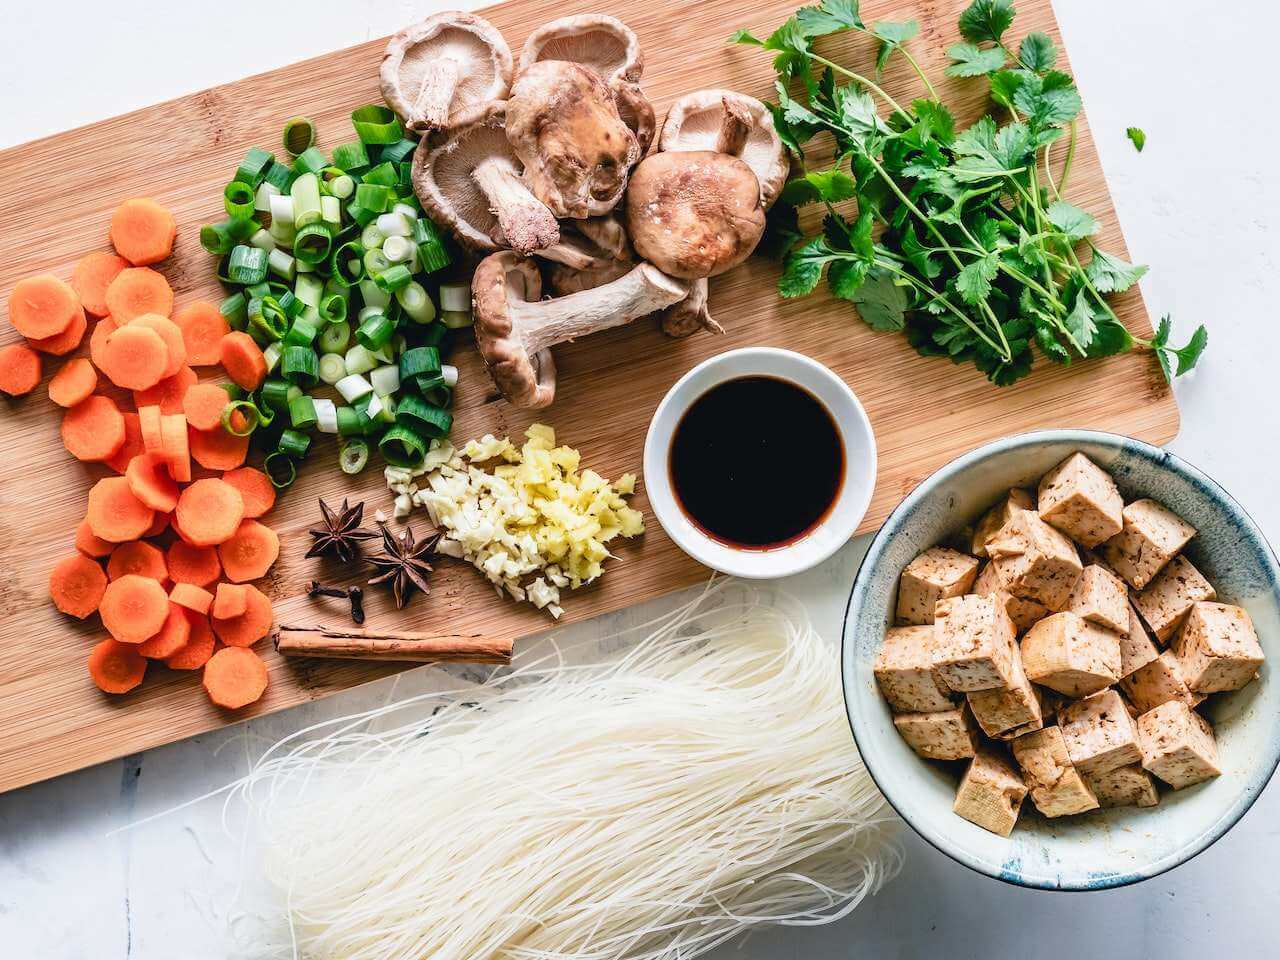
925	411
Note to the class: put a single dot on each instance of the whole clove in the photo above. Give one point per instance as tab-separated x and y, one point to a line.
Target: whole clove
355	595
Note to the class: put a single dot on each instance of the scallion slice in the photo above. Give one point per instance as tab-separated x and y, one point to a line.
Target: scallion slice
373	295
401	446
311	160
249	418
349	424
419	362
398	249
221	238
432	335
394	224
398	152
394	277
302	413
449	373
374	197
275	394
279	175
253	168
353	387
333	308
353	456
385	174
346	263
300	366
262	197
299	135
247	265
455	296
294	443
415	302
313	242
376	124
326	415
332	368
455	319
351	157
235	310
238	199
309	290
282	264
268	318
301	334
281	469
375	332
305	192
385	380
432	251
423	417
342	187
282	210
271	354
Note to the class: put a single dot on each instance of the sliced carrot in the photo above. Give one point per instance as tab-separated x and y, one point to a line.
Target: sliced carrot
203	404
195	565
173	636
142	231
134	358
256	489
149	479
230	600
20	369
243	361
115	514
136	291
175	446
252	625
168	393
134	608
203	327
191	597
116	667
93	430
218	449
234	678
101	330
249	554
67	340
42	306
150	423
90	544
93	275
73	383
132	446
159	524
136	557
199	647
171	336
76	585
209	512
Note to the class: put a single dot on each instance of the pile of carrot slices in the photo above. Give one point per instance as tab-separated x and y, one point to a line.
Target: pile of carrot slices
173	536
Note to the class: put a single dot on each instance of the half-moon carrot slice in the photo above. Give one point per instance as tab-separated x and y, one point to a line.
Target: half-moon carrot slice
136	557
150	481
93	275
256	489
136	291
229	600
203	327
66	341
209	512
173	436
173	636
93	430
198	649
172	337
134	608
218	449
249	554
76	585
42	306
252	625
74	383
134	358
243	360
192	597
132	446
20	369
234	678
90	544
114	513
142	231
168	393
116	667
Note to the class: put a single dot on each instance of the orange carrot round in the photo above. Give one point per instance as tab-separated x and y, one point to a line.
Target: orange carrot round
67	340
230	600
93	430
203	327
136	291
93	275
173	636
116	667
198	649
198	566
168	393
256	489
134	608
42	306
243	361
76	585
203	404
249	554
252	625
209	512
97	343
134	358
218	449
115	514
91	545
234	678
173	436
142	231
141	559
148	476
20	369
73	383
172	337
132	446
191	597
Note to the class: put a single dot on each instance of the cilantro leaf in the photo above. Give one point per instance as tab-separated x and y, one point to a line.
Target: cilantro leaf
892	36
1080	324
831	16
986	20
1037	52
790	42
1074	223
973	283
1186	357
1111	338
1138	136
978	140
1012	145
819	186
918	255
880	302
934	121
1048	101
969	60
1110	274
803	268
845	277
1050	345
858	117
1004	84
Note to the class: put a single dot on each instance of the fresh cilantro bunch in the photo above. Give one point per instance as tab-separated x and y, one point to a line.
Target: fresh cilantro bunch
962	238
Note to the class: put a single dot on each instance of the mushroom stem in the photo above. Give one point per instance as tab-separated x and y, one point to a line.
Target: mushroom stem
607	233
735	127
523	220
642	291
691	314
431	108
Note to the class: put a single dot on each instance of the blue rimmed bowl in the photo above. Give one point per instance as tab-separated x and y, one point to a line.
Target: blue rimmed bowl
1108	848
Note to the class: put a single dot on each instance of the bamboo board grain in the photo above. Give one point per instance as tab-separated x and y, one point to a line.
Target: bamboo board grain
925	412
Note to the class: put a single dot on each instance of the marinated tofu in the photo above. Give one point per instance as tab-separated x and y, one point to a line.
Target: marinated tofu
1152	536
1178	745
935	575
1099	733
1157	682
1165	602
991	791
1065	653
1003	709
1080	499
1034	560
1101	597
975	644
942	735
1136	648
1056	787
1218	649
1129	786
905	672
998	516
1024	613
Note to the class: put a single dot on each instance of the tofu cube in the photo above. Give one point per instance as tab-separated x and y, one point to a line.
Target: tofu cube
1102	598
1157	682
1151	537
1067	654
1100	734
1129	786
1165	602
935	575
998	516
1178	745
1034	561
1218	649
905	672
1056	787
942	735
991	791
974	644
1025	614
1003	709
1136	648
1080	499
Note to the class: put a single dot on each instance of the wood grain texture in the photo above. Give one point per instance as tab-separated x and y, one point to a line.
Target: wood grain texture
925	412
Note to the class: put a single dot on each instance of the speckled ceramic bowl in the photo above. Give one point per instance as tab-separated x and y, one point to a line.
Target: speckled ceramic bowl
1107	848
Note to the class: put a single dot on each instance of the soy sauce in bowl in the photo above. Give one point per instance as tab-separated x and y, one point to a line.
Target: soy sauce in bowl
757	462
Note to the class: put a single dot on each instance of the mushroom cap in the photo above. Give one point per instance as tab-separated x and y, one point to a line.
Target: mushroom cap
564	126
597	40
694	213
527	380
693	123
484	60
636	112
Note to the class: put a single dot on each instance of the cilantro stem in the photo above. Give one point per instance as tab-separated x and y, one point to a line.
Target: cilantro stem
933	94
872	86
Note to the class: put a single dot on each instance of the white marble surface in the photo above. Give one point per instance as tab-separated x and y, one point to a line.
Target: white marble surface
1198	206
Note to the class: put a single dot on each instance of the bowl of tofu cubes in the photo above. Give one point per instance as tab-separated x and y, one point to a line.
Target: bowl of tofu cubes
1057	660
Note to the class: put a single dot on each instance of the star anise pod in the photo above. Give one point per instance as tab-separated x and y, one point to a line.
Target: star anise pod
404	564
341	534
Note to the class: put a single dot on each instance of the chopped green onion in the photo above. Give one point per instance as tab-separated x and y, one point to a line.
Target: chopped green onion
376	124
373	196
359	360
351	157
281	469
385	380
385	174
431	249
247	265
394	224
414	301
353	387
263	241
326	415
301	334
299	135
335	337
281	263
305	192
375	261
425	418
309	290
331	211
393	278
253	168
346	263
300	366
239	200
375	332
294	443
371	238
450	375
419	362
262	197
353	456
455	297
360	214
333	308
398	152
302	413
271	354
398	249
401	446
311	160
332	368
349	424
312	243
268	317
279	176
342	187
275	394
235	310
282	210
249	416
455	319
221	238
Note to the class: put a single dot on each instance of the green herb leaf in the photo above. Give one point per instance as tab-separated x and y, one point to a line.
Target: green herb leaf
819	186
986	20
831	16
745	36
1048	101
1073	222
892	36
792	46
1004	84
934	122
1080	324
803	268
973	283
1138	136
845	277
1052	348
1110	274
1177	361
969	60
1037	52
1111	338
880	302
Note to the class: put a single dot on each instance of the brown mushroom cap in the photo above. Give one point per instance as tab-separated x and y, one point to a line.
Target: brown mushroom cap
733	123
442	71
694	213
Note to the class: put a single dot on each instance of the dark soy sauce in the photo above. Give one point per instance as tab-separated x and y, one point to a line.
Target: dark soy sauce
757	462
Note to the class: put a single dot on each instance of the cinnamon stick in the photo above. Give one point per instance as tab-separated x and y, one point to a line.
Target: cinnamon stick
350	643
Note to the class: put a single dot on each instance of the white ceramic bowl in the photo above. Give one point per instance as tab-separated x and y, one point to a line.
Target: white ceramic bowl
859	457
1107	848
